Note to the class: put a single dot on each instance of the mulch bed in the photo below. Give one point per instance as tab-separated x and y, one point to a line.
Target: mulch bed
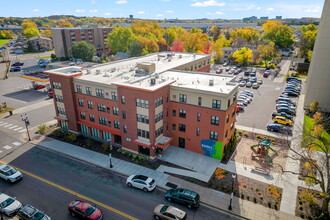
245	188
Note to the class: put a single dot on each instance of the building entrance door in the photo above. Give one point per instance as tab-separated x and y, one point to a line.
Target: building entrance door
182	142
144	150
117	139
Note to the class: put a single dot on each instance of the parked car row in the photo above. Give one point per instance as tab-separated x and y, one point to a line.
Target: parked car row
249	82
243	99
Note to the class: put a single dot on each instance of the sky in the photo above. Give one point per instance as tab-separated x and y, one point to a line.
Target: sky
164	9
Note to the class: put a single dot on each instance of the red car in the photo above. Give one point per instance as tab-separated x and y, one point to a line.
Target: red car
18	63
266	73
84	210
36	87
50	94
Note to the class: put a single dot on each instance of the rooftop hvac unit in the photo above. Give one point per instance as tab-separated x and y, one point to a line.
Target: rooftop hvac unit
126	77
88	71
98	72
180	56
152	81
156	75
211	82
113	70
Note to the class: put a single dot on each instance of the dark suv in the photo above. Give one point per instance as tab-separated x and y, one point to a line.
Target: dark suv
184	196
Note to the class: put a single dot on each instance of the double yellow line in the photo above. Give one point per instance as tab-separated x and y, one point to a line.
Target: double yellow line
74	193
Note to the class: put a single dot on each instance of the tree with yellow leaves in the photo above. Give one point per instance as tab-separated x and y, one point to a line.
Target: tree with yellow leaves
243	56
280	34
266	52
217	46
31	32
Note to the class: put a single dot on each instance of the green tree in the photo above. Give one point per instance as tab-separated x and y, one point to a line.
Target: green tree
280	34
307	39
243	56
135	49
120	39
31	32
266	52
26	24
83	50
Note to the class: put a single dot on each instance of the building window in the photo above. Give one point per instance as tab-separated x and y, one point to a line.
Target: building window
199	100
114	96
82	115
231	126
159	131
57	85
183	98
124	114
197	131
235	96
227	119
216	104
173	126
182	113
59	98
226	134
115	110
106	136
173	112
233	113
142	103
101	107
91	118
102	121
123	99
79	89
228	103
214	120
117	124
95	132
88	91
214	135
90	104
61	111
99	93
182	127
159	101
142	118
198	116
109	123
84	129
81	102
159	117
143	133
125	128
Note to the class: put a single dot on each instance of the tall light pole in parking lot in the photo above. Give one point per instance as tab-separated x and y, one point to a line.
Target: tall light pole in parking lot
27	123
232	190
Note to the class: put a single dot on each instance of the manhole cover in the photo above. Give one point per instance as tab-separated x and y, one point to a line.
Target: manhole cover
171	185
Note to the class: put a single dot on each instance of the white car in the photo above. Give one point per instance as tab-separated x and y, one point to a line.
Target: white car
9	173
8	205
142	182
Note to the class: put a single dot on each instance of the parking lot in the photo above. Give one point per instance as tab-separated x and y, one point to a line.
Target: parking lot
258	113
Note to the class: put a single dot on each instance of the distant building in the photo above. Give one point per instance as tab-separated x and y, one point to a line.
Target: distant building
41	43
278	18
263	18
250	19
64	38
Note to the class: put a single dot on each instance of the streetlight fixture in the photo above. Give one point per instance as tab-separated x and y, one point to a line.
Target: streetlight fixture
110	156
232	190
27	123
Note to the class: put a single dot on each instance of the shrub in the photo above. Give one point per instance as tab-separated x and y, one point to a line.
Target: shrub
142	158
41	129
88	142
255	199
302	215
134	157
105	146
242	195
257	189
118	150
72	137
275	206
269	204
248	197
300	208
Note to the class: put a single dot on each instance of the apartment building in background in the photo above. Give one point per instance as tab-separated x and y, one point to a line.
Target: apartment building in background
147	103
64	38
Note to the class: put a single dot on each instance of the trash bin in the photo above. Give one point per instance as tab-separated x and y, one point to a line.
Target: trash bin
10	112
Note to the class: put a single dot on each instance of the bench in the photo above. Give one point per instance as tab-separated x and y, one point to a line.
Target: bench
261	170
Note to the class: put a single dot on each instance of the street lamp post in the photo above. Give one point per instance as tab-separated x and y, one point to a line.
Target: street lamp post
232	190
110	156
27	123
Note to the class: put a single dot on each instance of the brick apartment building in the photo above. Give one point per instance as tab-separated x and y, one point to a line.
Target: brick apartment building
64	38
145	104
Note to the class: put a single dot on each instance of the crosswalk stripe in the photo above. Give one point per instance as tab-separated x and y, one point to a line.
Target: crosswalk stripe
6	126
2	123
22	130
13	127
7	147
16	143
18	128
1	151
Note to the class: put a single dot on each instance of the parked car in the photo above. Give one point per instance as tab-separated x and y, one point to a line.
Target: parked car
38	86
243	101
9	173
286	105
84	210
142	182
227	69
247	72
266	73
225	64
284	95
246	79
238	79
245	97
282	120
259	81
279	128
250	93
184	196
218	71
255	85
242	83
291	93
239	108
168	212
18	63
231	71
9	205
286	100
236	72
248	84
15	69
253	79
50	94
274	114
286	110
253	74
28	212
292	79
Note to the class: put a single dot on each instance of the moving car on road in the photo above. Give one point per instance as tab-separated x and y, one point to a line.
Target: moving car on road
8	205
84	210
36	87
184	196
18	63
9	173
142	182
168	212
15	69
28	212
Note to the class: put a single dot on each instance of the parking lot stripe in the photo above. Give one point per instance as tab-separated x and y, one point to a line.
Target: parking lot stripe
6	126
18	128
74	193
13	127
16	143
7	147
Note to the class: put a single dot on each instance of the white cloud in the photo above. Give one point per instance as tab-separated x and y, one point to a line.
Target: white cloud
121	2
298	10
93	10
159	15
169	11
35	10
270	9
215	13
208	3
315	10
107	13
246	8
258	8
80	10
140	12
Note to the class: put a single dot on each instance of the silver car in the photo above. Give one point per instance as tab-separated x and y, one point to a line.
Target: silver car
142	182
9	173
8	205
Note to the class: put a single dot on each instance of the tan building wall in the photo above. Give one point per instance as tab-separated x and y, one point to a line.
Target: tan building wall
319	70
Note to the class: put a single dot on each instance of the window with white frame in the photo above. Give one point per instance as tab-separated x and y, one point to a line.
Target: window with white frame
213	135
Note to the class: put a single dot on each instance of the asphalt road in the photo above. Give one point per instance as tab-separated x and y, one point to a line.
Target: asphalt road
108	189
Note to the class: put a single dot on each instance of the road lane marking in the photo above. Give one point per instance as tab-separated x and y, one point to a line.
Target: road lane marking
13	127
73	193
7	125
18	128
16	143
22	130
7	147
2	123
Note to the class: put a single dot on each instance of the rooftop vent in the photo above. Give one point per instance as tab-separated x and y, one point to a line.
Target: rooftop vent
98	72
180	56
211	82
88	71
140	71
152	81
156	75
